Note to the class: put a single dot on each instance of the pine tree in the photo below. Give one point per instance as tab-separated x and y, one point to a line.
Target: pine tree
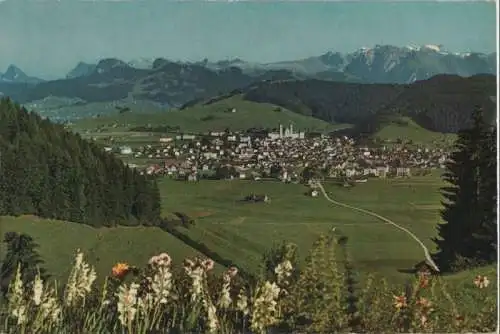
21	251
468	234
48	171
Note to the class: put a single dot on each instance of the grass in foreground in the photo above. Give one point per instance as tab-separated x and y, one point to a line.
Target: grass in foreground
315	299
103	247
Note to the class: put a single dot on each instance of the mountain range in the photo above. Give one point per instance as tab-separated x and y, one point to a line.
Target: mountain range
170	84
15	75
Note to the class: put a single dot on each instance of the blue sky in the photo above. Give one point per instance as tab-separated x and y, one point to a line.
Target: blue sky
48	38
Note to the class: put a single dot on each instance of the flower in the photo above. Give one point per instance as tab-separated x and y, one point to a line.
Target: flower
225	296
197	275
37	290
50	308
120	269
481	281
80	280
208	264
16	301
400	302
424	304
213	322
127	301
161	284
160	260
283	271
423	281
264	312
242	302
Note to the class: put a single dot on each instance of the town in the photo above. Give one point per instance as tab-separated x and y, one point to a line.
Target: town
283	155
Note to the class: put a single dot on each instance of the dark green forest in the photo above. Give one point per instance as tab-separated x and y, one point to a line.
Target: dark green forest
442	103
52	173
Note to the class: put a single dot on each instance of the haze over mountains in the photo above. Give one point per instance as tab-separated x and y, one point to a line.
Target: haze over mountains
162	83
380	64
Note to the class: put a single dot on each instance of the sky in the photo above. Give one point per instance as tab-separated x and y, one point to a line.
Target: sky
48	38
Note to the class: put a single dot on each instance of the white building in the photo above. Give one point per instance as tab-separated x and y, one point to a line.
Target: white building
286	133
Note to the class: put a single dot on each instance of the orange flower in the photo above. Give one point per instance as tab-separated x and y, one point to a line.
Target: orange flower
399	302
423	282
424	304
120	269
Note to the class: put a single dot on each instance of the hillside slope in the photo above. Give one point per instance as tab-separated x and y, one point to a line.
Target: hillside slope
214	115
103	248
442	103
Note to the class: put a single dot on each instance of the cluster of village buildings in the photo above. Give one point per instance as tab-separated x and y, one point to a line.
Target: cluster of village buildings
284	155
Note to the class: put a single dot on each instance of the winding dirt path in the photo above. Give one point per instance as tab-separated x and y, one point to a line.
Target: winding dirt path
387	220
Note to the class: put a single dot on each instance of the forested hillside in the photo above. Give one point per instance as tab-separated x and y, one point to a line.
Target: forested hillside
442	103
50	172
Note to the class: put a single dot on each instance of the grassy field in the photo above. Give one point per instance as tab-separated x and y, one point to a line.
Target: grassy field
102	247
212	117
241	231
406	129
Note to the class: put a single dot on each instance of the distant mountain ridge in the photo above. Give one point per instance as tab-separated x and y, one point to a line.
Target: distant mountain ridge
380	64
170	84
15	75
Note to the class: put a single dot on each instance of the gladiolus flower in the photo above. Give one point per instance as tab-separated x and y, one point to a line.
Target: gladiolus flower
161	260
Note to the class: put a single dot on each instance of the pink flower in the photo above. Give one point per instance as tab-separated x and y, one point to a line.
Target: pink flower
208	264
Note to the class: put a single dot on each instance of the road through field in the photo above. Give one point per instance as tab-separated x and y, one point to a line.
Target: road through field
387	220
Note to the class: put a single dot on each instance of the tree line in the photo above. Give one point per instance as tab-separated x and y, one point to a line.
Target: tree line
52	173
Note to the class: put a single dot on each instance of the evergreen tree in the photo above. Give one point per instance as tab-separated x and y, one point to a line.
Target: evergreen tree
21	251
467	236
48	171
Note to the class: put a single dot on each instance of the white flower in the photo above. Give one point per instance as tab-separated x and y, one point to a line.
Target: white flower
197	275
242	302
161	260
37	290
225	297
283	271
162	284
16	300
50	308
213	323
80	281
127	302
264	307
